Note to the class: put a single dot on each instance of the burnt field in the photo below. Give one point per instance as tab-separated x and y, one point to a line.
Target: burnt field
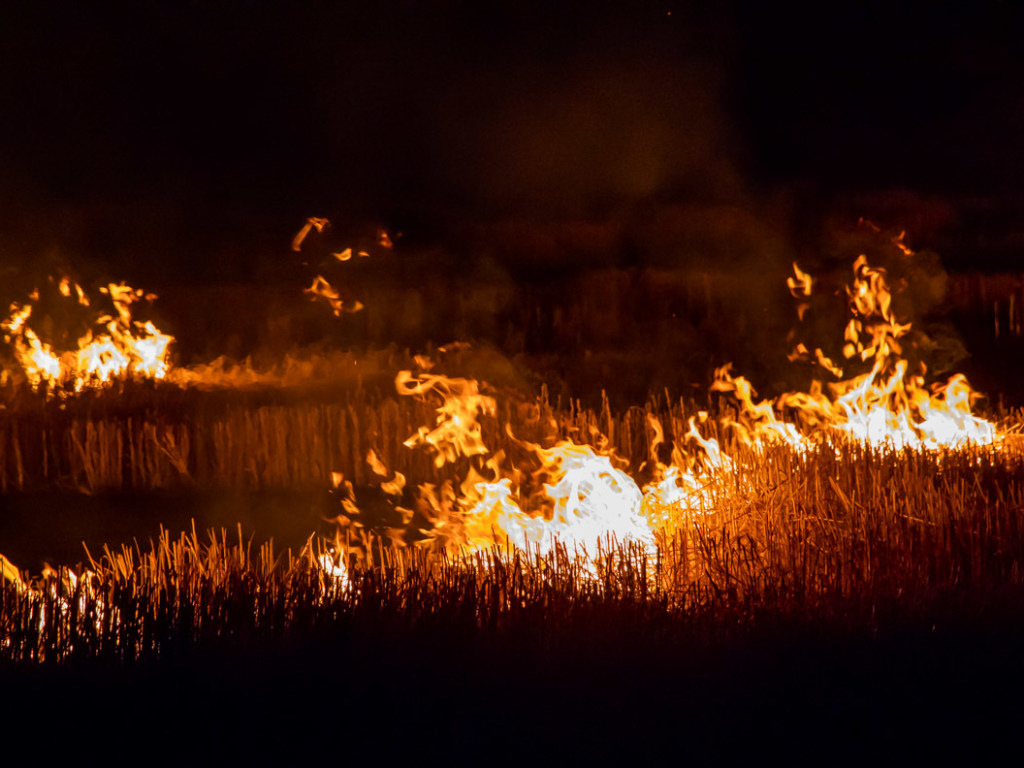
578	534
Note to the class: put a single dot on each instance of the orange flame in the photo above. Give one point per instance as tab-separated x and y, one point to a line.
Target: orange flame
457	431
118	348
313	222
321	289
888	406
800	287
582	497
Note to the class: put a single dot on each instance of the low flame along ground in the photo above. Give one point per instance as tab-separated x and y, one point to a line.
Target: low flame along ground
113	346
575	495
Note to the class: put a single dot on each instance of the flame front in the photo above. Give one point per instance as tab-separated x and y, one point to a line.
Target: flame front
557	490
115	347
889	406
582	497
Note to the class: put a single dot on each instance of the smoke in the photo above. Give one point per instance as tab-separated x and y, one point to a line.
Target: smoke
523	109
587	135
513	144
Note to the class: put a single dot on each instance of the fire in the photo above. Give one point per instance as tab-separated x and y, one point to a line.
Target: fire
113	346
333	565
591	499
581	495
682	489
574	495
586	503
321	289
890	405
313	222
10	573
800	287
457	430
509	491
756	423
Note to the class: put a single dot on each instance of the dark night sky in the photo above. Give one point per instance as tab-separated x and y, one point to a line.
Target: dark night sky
194	137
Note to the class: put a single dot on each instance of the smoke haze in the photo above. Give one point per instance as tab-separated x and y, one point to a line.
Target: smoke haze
188	142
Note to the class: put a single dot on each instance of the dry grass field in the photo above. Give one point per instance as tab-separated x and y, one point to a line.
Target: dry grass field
350	584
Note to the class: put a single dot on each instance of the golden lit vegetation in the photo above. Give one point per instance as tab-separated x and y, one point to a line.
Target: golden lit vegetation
872	498
845	534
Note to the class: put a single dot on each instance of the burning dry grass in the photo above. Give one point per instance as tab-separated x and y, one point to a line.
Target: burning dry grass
147	437
881	500
847	536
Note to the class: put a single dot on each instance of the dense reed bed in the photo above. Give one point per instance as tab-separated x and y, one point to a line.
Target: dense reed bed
164	437
862	541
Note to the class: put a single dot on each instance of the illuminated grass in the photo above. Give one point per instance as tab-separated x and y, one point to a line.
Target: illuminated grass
857	539
145	437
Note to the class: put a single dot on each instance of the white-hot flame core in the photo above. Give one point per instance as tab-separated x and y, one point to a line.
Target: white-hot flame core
589	502
333	565
592	499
